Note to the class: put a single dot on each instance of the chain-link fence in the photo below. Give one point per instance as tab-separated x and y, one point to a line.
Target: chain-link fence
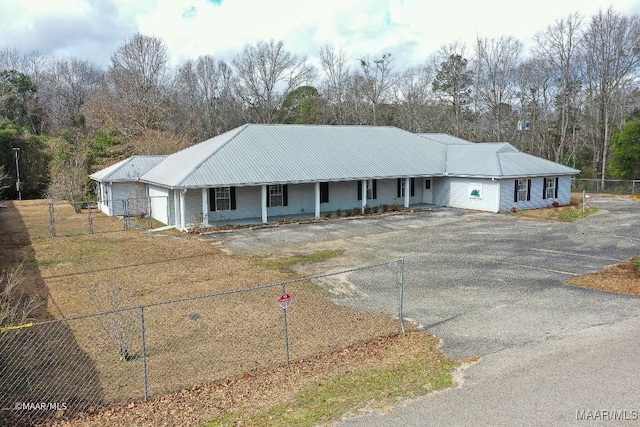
62	367
614	186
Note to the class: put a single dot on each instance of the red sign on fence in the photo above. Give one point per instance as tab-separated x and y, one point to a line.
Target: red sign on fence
284	301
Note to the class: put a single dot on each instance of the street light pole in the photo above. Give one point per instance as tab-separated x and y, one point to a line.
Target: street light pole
16	150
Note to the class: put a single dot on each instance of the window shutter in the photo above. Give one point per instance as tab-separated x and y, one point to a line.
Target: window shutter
556	189
413	191
544	188
359	183
515	192
232	194
285	196
375	188
528	190
399	187
212	199
268	195
324	192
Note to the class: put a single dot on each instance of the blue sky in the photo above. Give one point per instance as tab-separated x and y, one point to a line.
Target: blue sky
409	29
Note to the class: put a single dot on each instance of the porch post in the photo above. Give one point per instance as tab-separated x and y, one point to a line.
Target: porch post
263	202
205	208
110	199
364	194
183	215
407	191
317	214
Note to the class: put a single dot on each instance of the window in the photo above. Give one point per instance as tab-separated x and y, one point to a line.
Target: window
372	189
412	187
222	198
427	184
522	192
550	188
277	195
324	192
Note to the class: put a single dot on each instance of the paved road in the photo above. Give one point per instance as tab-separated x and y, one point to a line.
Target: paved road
492	286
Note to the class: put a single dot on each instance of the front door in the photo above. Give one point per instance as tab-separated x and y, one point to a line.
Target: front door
427	192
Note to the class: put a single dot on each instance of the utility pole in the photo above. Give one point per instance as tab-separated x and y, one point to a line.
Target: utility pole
16	150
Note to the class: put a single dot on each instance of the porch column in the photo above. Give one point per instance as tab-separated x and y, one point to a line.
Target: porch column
364	194
205	208
263	203
110	199
176	208
407	191
183	215
317	200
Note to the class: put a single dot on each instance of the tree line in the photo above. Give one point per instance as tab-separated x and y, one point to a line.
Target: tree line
566	98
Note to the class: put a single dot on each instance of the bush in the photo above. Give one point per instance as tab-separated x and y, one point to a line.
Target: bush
338	213
555	204
514	209
385	208
327	215
375	209
394	206
356	211
366	210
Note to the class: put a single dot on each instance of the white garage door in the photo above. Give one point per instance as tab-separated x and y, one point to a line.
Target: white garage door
159	204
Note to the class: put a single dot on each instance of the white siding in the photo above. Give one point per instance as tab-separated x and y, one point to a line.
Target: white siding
454	192
159	204
507	198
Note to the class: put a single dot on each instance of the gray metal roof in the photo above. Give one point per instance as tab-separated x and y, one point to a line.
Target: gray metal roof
499	160
130	169
444	138
258	154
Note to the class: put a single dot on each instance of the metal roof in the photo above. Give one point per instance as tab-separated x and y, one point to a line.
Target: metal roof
259	153
499	160
444	138
130	169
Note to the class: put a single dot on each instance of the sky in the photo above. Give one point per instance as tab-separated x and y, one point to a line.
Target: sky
411	30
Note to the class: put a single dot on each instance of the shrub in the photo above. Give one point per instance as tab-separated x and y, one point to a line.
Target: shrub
356	211
385	208
375	209
555	204
327	215
514	209
366	210
338	213
394	206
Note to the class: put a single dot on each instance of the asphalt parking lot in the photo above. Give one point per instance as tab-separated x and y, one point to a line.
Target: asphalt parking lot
482	282
492	285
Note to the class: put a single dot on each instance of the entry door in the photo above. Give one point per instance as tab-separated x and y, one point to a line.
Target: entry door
427	192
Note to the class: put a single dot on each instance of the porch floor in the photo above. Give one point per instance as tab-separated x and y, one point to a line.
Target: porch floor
295	217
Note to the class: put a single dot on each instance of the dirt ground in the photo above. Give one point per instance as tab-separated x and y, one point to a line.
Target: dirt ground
623	278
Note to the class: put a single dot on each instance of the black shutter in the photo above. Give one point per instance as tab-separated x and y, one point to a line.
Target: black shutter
212	199
557	182
324	192
285	196
399	187
375	189
232	193
268	195
413	187
528	190
359	189
515	192
544	188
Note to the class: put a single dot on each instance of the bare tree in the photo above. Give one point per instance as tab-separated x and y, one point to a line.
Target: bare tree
378	79
412	96
132	96
336	83
496	63
204	104
611	52
120	323
267	73
558	46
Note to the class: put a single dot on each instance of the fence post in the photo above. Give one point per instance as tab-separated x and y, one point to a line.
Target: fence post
125	216
401	293
52	221
286	327
89	208
144	355
149	213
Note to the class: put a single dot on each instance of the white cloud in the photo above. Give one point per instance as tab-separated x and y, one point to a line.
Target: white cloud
410	29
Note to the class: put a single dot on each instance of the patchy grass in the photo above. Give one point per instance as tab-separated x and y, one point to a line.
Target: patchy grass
286	262
331	400
570	213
